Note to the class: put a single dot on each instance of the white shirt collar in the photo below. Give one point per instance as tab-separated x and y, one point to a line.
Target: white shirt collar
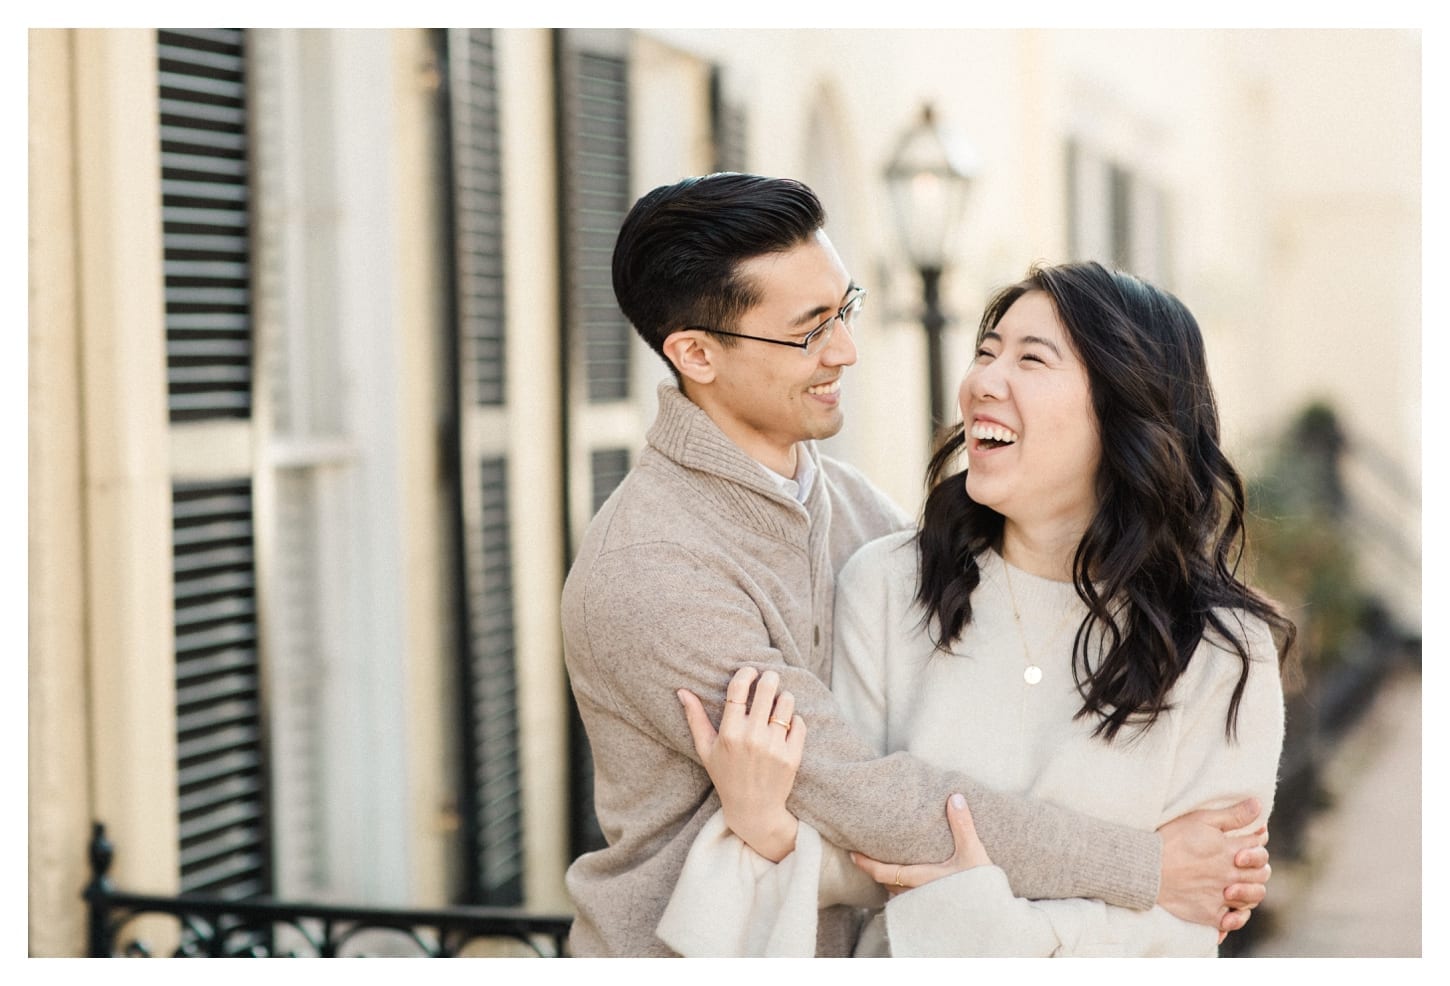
805	476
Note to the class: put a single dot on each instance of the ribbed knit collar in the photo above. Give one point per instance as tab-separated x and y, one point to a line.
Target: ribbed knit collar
1033	592
685	434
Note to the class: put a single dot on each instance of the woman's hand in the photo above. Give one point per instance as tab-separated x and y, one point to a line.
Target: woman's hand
753	758
899	877
1209	876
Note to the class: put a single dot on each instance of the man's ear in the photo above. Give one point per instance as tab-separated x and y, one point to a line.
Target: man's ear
692	354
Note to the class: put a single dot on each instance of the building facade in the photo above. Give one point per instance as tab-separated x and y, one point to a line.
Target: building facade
326	378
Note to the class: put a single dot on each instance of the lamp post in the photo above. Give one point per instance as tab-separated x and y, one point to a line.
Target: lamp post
928	178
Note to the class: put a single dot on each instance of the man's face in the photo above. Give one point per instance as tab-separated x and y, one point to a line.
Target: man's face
767	398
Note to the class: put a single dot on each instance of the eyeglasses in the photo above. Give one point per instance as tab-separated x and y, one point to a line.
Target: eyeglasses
817	337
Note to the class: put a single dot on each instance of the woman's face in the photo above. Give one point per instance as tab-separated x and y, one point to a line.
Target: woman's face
1032	436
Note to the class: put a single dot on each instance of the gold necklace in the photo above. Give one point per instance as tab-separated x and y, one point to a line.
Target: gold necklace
1031	674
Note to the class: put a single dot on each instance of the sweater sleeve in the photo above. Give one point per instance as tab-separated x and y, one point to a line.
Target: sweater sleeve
730	902
1047	851
644	644
1212	768
976	913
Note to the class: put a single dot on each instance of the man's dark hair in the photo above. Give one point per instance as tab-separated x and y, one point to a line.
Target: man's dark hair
676	257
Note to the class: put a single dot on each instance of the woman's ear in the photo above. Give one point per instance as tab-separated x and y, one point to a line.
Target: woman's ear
692	355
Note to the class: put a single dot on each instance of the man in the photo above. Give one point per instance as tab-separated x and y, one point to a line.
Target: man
720	549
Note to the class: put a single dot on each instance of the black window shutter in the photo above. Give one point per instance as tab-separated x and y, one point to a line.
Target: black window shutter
727	122
224	846
492	799
220	743
1072	163
1120	208
594	190
608	467
497	830
595	143
204	202
478	213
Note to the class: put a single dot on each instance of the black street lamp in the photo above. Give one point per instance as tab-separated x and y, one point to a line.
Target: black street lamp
928	178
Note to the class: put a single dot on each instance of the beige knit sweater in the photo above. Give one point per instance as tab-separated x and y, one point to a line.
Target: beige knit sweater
972	709
698	564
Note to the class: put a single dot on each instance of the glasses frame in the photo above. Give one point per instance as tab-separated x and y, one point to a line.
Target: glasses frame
805	344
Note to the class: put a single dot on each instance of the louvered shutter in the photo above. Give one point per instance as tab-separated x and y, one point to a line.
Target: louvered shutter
1072	197
492	795
204	187
497	837
727	122
1120	209
478	213
218	696
1115	214
594	147
607	467
204	209
596	200
599	343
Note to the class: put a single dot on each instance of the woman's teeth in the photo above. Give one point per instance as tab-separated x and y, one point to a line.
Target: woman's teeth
993	433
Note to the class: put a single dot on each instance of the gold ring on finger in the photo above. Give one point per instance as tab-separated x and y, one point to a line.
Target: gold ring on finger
779	722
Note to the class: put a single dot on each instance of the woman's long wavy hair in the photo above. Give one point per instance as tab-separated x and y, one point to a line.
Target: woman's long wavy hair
1157	566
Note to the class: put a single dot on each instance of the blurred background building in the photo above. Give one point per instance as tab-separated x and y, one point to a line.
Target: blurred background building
326	378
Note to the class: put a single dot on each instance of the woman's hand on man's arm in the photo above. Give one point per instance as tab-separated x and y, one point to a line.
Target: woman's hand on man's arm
968	852
753	758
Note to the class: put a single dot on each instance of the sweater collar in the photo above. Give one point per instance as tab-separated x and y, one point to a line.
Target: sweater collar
731	481
686	434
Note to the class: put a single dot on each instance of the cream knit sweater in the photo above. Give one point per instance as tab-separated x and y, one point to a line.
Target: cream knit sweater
972	710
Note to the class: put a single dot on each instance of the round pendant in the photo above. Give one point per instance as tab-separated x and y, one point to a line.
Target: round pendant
1032	675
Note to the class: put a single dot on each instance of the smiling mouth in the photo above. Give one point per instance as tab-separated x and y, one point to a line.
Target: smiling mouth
825	389
991	436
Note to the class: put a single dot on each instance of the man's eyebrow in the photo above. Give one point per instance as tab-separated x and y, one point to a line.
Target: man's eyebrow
820	311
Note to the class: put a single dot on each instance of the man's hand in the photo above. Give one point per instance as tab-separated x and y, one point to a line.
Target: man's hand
753	759
968	852
1209	876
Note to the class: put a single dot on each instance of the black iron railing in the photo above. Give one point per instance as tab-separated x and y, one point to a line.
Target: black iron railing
208	927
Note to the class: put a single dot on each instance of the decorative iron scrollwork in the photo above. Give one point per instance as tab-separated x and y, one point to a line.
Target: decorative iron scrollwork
208	927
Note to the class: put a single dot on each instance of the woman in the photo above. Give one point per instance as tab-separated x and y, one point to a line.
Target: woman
1066	623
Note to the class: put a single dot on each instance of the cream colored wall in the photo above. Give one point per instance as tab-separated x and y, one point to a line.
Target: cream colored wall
433	769
126	474
102	718
670	138
535	480
1293	158
59	802
1345	260
1291	162
872	84
1346	171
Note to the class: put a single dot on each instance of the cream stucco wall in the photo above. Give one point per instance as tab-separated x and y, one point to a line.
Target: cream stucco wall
101	676
536	480
59	803
1291	163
